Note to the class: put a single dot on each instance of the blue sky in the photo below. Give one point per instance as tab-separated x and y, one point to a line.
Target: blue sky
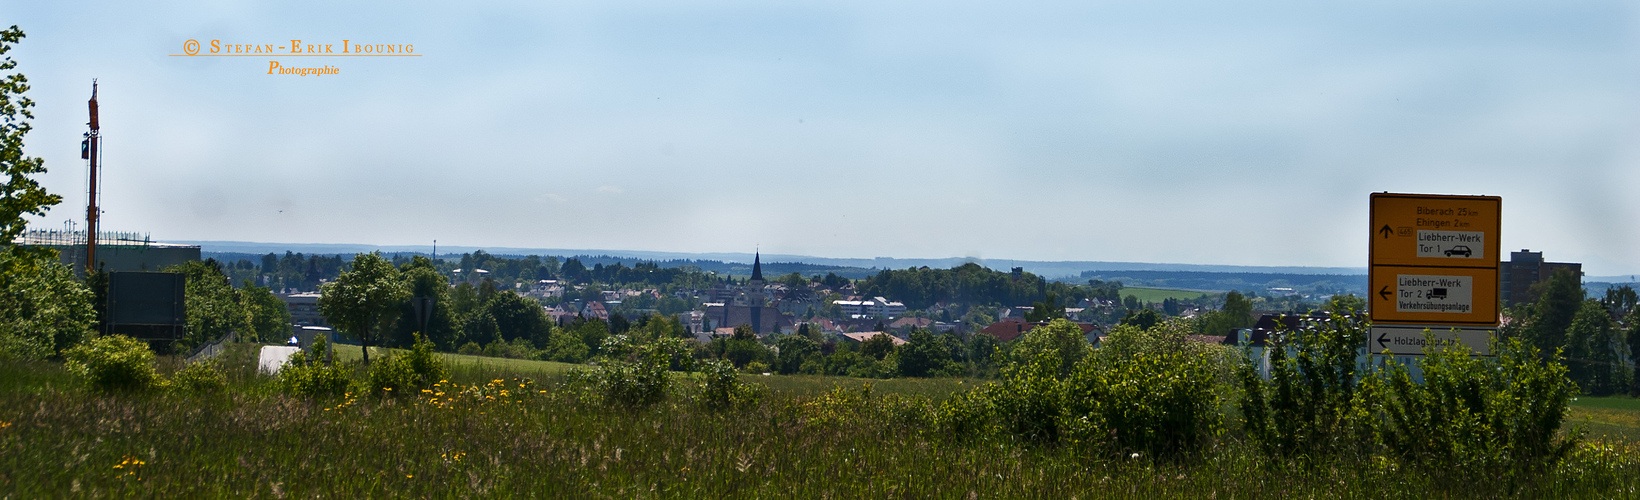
1245	133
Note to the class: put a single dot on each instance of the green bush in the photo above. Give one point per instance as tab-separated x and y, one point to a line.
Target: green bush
471	349
307	375
757	367
403	374
1153	394
1158	404
795	350
723	388
392	375
114	363
1059	339
426	363
1312	404
618	347
637	384
199	378
44	310
565	345
1498	414
678	352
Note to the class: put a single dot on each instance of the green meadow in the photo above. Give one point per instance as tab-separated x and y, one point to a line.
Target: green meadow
528	429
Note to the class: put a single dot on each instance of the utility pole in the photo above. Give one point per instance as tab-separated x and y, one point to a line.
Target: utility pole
92	138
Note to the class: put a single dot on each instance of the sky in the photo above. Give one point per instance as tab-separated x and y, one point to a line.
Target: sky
1235	133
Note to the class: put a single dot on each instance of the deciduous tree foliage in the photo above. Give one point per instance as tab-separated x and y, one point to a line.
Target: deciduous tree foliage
969	283
1592	350
43	309
365	300
1558	301
214	308
20	194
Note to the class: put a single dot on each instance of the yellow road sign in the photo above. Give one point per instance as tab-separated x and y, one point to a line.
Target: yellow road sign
1434	259
1434	230
1432	295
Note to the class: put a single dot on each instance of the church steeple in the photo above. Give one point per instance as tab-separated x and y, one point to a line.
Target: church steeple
757	266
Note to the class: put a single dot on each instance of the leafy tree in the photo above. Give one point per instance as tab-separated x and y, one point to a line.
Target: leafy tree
212	307
924	355
1131	302
1236	313
1620	301
1632	336
793	280
794	350
593	332
565	345
742	351
424	280
1592	350
1559	300
877	347
20	195
1048	309
573	270
517	317
1143	318
43	310
1061	341
266	317
1345	304
982	349
365	300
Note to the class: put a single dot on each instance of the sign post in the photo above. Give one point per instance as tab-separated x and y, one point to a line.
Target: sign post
1434	265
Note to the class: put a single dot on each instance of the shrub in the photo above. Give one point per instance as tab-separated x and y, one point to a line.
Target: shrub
43	309
757	367
471	349
1500	414
678	352
114	363
1312	403
392	375
565	345
202	377
426	362
1060	339
1024	405
307	375
924	355
636	384
795	351
404	373
1158	404
723	388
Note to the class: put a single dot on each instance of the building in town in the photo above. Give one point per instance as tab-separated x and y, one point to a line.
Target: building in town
1524	269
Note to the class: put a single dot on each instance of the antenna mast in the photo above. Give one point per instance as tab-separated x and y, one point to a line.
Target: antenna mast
90	152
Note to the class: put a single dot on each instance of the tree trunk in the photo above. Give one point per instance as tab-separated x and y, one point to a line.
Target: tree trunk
364	346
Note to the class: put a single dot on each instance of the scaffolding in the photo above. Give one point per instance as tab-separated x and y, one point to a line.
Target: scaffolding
64	238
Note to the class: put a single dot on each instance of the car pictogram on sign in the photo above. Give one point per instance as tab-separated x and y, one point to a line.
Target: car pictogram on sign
1459	250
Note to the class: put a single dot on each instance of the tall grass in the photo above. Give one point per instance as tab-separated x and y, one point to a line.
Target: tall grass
546	438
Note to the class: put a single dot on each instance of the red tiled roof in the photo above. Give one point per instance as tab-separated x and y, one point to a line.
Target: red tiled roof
1010	329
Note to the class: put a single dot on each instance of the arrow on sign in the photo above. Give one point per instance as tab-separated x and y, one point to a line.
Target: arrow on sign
1381	341
1385	293
1386	231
